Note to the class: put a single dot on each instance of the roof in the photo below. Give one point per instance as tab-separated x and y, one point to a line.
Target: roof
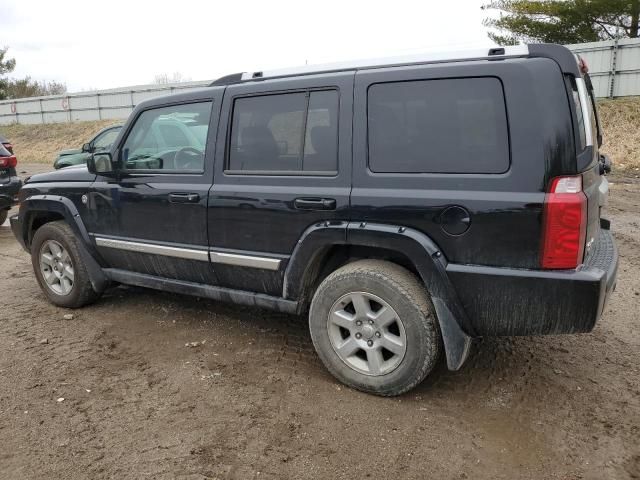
560	54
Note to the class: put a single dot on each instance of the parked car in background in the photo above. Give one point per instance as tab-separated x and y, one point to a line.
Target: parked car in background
6	143
10	183
101	142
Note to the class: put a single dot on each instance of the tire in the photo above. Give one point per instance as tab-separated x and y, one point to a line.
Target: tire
72	291
3	216
365	363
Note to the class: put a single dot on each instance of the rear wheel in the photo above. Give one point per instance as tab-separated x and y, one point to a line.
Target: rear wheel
374	327
59	268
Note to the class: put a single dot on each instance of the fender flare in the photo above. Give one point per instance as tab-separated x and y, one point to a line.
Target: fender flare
427	258
314	242
63	206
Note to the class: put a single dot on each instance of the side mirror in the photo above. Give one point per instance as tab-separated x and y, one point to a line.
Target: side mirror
86	147
101	164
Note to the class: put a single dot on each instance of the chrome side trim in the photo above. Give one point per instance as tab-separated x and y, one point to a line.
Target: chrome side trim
266	263
251	261
177	252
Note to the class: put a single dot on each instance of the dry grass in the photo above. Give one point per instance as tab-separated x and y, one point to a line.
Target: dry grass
621	124
39	143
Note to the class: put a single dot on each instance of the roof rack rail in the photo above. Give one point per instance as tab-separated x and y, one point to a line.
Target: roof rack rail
492	53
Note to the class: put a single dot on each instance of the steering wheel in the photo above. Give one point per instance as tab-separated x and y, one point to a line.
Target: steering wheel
188	158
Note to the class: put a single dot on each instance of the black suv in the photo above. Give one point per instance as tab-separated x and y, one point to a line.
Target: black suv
408	205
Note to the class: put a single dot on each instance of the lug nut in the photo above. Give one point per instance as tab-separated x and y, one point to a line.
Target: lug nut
358	335
370	322
358	322
378	334
370	343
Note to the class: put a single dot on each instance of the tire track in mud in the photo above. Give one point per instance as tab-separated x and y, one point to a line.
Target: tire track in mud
255	398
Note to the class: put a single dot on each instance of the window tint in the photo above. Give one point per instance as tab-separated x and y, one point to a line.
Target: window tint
104	140
438	126
289	133
168	138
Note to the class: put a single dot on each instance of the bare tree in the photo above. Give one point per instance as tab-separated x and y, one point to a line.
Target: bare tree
165	78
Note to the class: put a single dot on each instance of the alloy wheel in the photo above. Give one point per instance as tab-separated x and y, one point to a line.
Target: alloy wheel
56	267
366	333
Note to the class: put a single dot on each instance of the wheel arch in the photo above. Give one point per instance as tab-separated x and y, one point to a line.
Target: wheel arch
327	246
38	210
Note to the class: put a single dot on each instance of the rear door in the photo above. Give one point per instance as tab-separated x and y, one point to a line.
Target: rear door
283	164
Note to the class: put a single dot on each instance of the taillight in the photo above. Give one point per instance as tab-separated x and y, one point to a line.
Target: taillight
564	224
8	162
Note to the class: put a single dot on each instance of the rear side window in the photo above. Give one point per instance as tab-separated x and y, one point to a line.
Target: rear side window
293	133
438	126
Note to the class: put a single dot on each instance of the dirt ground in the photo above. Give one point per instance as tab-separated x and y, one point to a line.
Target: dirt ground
254	402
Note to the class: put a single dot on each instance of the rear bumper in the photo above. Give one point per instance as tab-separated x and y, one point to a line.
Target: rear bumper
8	192
502	301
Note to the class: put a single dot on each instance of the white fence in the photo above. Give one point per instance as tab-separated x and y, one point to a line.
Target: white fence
116	103
614	66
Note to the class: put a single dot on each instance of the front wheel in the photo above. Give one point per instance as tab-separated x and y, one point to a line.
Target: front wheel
58	266
374	327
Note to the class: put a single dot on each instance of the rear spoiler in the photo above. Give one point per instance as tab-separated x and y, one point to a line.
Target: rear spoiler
559	54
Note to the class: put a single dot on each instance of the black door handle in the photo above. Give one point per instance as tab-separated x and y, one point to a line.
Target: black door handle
315	203
184	197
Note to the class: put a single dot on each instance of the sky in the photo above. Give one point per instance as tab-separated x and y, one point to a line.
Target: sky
95	45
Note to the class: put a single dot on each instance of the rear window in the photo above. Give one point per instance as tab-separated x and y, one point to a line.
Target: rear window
438	126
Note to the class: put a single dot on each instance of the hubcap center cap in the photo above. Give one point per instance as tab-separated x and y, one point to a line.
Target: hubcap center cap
368	331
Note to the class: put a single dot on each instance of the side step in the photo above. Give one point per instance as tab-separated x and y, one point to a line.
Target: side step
201	290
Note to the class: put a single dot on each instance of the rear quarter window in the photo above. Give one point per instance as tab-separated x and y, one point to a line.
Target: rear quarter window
575	97
438	126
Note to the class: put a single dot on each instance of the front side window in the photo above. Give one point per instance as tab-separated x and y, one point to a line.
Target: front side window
293	133
168	138
438	126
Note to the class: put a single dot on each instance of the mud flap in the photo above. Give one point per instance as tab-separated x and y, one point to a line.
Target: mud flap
99	280
456	343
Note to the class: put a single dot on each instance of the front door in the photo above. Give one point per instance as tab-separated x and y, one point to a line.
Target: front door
284	166
152	219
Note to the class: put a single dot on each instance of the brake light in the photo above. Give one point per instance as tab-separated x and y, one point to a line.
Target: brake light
8	162
564	224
